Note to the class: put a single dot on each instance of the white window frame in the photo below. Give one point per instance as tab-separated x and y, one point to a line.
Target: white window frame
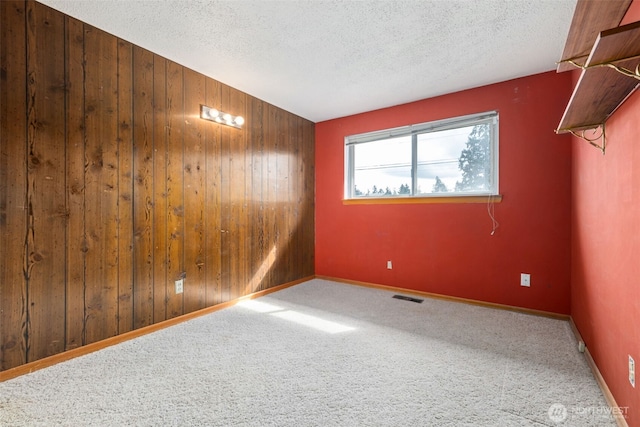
489	117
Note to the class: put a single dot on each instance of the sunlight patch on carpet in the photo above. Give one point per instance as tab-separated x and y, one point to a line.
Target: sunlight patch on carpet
312	321
259	306
295	316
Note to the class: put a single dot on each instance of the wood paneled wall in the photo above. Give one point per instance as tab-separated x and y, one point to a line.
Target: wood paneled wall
112	188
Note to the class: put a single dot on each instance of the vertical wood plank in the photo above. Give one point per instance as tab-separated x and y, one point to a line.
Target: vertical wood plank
270	190
286	196
125	186
175	187
46	182
213	199
279	208
227	246
101	183
160	243
143	214
301	209
308	217
295	197
13	184
237	214
236	159
76	245
240	107
259	252
302	198
194	193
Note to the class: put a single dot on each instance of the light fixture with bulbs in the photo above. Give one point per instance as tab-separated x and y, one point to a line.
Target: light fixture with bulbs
215	115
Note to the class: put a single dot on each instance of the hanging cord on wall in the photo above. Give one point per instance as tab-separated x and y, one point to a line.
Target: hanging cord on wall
492	214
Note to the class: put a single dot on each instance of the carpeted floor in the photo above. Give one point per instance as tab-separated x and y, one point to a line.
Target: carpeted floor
324	354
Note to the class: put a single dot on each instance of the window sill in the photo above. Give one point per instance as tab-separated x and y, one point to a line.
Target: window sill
421	200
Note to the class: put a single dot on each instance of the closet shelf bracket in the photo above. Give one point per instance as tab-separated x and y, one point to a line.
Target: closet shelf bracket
593	139
612	64
629	73
572	61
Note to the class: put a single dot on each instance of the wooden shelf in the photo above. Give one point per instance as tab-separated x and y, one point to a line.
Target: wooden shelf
589	18
601	89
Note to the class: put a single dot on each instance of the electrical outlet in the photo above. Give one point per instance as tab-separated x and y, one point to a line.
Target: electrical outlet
179	286
389	265
632	371
525	280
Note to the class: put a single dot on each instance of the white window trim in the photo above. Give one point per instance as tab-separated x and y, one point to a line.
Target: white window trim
439	125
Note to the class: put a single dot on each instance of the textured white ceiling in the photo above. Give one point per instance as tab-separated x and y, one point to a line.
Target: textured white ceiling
323	59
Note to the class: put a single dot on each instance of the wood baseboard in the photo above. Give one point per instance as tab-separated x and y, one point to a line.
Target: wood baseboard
611	401
450	298
90	348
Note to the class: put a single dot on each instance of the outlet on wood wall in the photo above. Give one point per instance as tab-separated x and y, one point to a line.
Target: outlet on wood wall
112	188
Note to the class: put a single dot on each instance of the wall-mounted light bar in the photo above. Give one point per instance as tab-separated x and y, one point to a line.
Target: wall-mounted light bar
217	116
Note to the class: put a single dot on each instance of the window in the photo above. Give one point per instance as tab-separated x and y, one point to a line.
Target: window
452	157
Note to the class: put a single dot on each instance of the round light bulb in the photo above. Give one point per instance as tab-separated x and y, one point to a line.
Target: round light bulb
239	120
213	113
227	118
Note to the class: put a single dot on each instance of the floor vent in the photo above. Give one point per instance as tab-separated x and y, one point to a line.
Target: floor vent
404	298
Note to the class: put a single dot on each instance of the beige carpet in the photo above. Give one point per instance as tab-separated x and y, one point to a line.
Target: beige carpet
324	354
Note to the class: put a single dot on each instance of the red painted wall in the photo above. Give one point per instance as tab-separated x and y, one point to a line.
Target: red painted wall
447	248
606	249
